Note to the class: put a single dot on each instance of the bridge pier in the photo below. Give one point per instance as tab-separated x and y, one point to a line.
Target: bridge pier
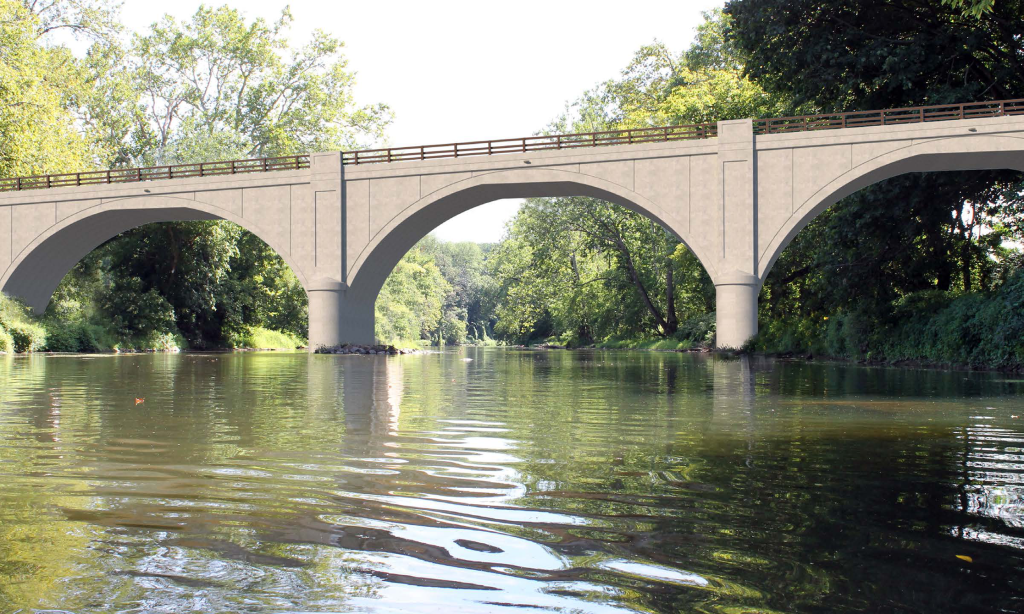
335	317
736	310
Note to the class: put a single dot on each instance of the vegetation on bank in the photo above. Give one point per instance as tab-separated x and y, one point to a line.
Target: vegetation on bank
923	267
978	329
22	331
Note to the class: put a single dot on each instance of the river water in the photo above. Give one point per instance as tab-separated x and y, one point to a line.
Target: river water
488	480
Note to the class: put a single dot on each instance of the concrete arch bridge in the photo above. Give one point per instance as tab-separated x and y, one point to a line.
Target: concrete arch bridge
735	192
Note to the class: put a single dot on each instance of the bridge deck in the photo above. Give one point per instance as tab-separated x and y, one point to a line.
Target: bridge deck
778	125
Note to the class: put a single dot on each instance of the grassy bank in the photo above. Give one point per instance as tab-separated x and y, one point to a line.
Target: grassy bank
691	334
21	331
258	338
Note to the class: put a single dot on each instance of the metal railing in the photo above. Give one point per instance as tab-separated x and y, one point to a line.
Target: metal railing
152	173
531	143
778	125
889	117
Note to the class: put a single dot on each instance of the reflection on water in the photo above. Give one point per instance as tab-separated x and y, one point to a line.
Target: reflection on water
486	480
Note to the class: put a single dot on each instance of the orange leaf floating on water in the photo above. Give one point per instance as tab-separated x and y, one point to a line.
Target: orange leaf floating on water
139	401
964	557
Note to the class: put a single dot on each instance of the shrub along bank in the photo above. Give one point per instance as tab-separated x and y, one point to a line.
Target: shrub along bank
977	330
21	331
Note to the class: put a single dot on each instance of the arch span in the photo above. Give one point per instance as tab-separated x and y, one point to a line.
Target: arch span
376	261
39	267
988	152
369	271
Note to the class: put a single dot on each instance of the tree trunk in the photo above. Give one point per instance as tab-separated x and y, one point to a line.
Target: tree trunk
666	330
965	264
670	298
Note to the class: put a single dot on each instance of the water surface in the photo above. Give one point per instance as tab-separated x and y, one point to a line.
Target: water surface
491	480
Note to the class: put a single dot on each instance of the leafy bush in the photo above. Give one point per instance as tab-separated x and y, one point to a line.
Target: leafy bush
257	338
789	336
154	341
6	341
72	337
981	329
699	330
17	320
27	337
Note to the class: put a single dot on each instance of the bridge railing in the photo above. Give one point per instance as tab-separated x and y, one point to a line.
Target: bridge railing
152	173
778	125
888	117
531	143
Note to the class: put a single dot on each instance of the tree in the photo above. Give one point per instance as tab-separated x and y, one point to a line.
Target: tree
409	305
910	233
219	87
463	265
38	86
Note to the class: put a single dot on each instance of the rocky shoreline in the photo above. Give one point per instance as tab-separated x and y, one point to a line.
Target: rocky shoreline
371	350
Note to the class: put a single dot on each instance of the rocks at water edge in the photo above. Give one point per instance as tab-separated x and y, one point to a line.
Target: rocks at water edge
364	349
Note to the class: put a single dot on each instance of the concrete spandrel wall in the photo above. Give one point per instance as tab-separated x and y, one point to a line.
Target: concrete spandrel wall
388	208
43	233
801	174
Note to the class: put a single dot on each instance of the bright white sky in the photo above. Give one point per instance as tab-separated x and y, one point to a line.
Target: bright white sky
468	70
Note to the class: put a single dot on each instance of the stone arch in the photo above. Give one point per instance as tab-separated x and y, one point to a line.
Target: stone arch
958	153
371	267
37	269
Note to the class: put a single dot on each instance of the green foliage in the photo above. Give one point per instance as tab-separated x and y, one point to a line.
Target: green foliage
981	329
207	281
441	293
694	333
582	270
977	8
153	341
258	338
27	337
876	54
73	337
38	87
6	341
410	303
135	311
18	324
466	311
217	86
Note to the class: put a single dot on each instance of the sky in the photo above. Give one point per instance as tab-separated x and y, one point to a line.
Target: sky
460	71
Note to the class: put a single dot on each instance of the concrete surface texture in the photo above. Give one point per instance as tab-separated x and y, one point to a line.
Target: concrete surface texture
736	201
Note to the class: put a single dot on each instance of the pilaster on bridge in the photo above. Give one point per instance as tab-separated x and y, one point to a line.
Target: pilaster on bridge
736	283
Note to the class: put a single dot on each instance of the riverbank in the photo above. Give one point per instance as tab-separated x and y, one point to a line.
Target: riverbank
80	331
24	333
894	364
675	345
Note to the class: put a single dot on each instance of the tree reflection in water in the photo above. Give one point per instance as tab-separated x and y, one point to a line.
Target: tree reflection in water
485	479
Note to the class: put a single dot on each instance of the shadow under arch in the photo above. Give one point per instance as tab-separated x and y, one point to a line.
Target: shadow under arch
997	152
373	265
38	269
